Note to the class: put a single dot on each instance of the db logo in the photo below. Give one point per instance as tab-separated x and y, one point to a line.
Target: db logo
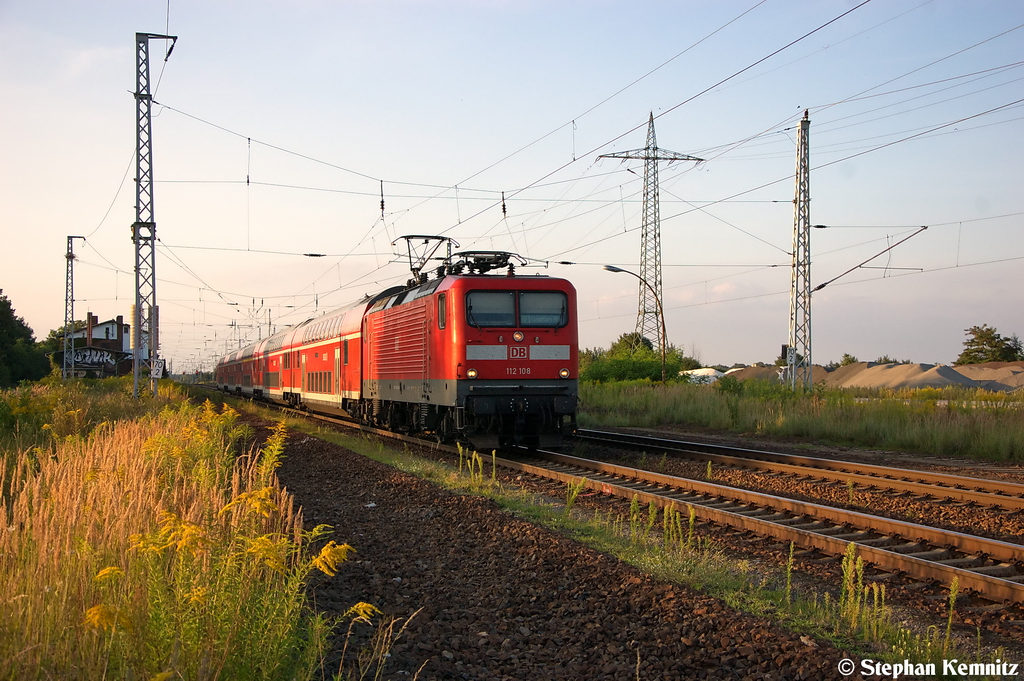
517	352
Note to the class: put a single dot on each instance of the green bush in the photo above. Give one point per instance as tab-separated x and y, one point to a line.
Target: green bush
629	369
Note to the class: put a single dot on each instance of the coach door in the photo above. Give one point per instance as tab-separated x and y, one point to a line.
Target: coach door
303	355
427	351
337	372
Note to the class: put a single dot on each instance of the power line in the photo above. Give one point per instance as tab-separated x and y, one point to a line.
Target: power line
933	63
260	251
849	283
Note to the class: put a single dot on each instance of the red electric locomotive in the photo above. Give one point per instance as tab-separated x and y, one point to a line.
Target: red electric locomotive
479	353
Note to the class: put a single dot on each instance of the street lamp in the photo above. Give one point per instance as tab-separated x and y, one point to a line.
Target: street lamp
661	312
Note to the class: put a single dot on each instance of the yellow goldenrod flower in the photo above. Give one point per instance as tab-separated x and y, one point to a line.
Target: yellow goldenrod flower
273	451
273	551
362	611
197	596
144	542
261	501
174	531
107	574
330	556
105	617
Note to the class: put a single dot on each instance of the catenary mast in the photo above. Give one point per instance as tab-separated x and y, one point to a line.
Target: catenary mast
648	320
145	343
798	356
68	363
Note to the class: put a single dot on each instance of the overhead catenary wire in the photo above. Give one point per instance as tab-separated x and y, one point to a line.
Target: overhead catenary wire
744	69
915	272
449	188
384	225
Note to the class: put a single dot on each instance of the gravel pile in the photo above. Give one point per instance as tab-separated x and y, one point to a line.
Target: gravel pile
500	598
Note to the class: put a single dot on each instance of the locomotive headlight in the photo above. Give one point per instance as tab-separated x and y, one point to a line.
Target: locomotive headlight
471	373
518	336
564	373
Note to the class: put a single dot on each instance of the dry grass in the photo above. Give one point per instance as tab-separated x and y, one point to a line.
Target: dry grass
144	549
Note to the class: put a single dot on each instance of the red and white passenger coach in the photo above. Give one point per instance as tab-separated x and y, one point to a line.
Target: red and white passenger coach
475	354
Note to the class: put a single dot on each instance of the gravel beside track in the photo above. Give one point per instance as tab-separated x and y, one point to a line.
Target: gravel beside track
500	598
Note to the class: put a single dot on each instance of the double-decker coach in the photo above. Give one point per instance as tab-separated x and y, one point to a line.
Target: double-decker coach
474	354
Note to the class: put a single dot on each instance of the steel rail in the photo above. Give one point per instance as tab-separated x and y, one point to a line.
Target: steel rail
925	553
994	493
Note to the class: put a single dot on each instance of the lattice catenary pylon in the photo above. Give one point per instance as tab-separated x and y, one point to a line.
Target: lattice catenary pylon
68	362
144	316
648	319
798	360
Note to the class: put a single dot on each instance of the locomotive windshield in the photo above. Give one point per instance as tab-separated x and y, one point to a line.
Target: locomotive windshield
543	308
498	309
491	308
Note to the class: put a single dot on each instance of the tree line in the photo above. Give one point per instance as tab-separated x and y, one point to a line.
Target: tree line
631	356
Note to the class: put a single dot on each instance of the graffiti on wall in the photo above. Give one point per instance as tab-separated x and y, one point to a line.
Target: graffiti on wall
93	357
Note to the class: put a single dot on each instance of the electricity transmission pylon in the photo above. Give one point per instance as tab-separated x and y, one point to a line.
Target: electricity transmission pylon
144	315
648	319
798	360
68	363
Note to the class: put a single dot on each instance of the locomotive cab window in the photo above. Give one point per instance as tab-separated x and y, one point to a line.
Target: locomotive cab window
543	308
442	310
491	308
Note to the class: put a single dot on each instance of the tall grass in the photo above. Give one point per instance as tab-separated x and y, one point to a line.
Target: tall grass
977	424
145	549
36	415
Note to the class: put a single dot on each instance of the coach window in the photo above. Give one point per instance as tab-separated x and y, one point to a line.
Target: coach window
442	310
490	308
543	308
344	351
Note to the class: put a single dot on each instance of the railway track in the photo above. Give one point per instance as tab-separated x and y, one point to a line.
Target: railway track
991	569
927	485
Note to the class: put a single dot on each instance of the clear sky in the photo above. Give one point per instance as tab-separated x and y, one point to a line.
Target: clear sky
917	118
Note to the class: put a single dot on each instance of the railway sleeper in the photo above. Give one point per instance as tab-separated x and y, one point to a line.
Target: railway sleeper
760	513
815	526
965	562
852	536
880	542
723	505
1002	570
909	547
776	517
936	555
837	530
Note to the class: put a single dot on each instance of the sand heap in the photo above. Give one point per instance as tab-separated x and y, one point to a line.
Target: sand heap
994	376
871	375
